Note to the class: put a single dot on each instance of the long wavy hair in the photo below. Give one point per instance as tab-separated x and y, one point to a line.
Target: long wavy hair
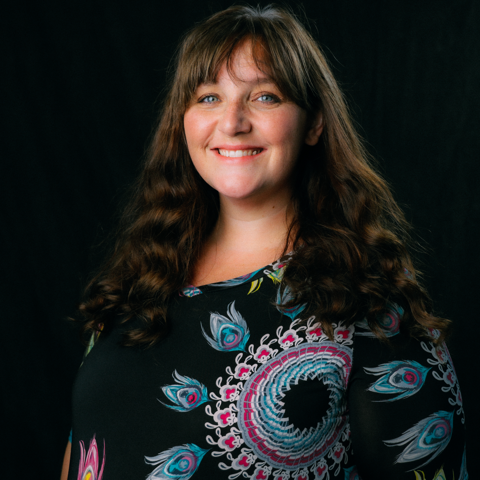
349	236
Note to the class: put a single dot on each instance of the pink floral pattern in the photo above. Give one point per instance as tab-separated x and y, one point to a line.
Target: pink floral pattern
89	462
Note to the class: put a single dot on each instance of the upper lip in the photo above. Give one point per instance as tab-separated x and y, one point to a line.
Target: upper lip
237	147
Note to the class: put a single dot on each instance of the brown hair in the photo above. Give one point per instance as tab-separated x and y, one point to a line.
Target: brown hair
353	259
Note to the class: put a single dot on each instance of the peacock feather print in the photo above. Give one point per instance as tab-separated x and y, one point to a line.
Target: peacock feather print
186	395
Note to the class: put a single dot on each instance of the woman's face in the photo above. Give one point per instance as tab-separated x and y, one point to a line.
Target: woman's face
243	136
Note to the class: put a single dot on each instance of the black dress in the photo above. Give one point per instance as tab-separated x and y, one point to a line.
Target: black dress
242	389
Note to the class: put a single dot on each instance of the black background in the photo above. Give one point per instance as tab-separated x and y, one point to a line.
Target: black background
81	86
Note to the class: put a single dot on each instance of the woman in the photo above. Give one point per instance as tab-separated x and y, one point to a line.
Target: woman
260	314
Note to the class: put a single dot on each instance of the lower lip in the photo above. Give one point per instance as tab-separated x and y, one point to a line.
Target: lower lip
242	158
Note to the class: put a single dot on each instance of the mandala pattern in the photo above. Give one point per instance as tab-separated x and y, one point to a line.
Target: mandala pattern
261	421
249	420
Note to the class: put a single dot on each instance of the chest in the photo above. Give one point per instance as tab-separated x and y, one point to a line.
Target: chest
217	265
236	378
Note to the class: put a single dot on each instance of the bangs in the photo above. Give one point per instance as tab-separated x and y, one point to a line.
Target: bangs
274	49
225	55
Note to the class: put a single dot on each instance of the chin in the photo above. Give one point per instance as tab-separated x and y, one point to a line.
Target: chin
236	195
236	190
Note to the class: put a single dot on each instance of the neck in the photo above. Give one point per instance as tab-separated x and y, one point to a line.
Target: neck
246	237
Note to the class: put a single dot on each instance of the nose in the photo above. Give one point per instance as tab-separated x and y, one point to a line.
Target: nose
234	119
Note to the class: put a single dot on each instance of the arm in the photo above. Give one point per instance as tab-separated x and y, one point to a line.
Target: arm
405	411
68	450
66	462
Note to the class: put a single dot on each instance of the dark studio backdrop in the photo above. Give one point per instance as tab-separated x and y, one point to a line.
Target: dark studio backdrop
81	85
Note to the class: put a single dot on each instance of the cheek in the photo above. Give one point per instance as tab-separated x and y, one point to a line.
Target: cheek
196	134
189	128
198	129
288	130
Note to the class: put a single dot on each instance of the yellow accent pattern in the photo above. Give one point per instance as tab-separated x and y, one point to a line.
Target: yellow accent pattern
439	475
255	286
277	275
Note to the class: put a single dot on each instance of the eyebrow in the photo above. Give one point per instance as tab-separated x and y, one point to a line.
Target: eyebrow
259	81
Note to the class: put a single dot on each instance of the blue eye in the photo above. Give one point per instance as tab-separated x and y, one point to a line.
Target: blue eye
208	99
266	98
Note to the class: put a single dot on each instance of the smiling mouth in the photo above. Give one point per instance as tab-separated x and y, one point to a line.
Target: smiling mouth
239	153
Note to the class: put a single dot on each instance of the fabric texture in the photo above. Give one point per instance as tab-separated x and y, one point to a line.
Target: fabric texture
242	388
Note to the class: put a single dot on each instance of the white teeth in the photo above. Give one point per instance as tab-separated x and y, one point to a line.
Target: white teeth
237	153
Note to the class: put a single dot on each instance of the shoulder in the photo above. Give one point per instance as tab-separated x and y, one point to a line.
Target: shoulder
405	403
400	364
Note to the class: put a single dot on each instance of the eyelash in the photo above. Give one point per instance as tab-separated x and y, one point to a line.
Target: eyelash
274	99
202	100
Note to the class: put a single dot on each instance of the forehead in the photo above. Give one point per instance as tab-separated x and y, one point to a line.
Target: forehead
243	66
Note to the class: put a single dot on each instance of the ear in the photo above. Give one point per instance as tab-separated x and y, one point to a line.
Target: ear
313	134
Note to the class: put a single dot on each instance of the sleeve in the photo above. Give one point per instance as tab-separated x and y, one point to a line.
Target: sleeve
406	412
91	343
93	339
